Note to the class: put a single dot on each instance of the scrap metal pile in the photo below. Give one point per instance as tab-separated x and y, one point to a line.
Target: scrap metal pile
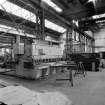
19	95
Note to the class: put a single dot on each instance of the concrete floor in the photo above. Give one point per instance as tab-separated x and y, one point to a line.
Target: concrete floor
86	91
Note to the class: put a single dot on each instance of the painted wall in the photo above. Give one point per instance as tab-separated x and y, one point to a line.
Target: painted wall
100	40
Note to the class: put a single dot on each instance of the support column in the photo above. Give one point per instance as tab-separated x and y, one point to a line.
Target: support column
69	42
93	46
40	24
81	43
18	39
69	45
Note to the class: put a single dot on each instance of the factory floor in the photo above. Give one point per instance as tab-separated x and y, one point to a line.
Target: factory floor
86	91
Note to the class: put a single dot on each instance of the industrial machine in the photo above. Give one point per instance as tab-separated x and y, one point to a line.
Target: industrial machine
90	60
23	58
34	58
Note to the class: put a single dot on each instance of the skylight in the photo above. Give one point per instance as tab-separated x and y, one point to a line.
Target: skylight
53	5
54	26
98	16
100	21
18	11
94	1
90	0
21	12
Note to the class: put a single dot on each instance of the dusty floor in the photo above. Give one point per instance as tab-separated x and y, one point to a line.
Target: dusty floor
86	91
